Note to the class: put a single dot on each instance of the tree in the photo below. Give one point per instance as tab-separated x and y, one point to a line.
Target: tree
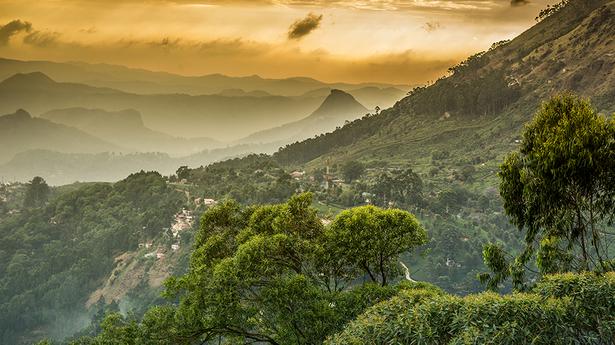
352	170
183	172
404	186
37	193
559	188
551	10
369	239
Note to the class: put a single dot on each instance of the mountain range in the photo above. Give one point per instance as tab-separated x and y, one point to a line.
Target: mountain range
140	81
81	144
464	122
474	114
126	128
21	132
223	118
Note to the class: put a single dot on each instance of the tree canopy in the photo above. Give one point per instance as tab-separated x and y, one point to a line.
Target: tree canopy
561	309
559	189
352	170
37	192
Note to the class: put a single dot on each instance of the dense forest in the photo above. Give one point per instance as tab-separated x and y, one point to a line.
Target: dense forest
56	248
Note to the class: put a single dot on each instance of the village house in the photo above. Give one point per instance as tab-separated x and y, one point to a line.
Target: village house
297	174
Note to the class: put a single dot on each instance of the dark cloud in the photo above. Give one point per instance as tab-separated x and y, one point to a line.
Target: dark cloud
12	28
432	26
41	38
518	2
167	43
303	27
90	30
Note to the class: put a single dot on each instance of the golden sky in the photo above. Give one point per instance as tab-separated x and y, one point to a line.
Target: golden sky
394	41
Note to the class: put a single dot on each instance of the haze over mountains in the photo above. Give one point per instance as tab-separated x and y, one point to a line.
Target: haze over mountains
110	109
147	82
86	143
219	117
21	132
126	128
337	108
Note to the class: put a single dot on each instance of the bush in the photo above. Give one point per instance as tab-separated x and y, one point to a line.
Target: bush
562	309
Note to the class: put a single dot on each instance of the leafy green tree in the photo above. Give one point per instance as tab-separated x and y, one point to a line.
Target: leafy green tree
183	172
369	239
37	193
353	170
559	188
402	186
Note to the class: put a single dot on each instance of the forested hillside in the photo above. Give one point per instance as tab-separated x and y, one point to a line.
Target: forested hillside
55	254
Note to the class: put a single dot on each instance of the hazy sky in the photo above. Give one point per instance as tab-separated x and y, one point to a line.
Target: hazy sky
397	41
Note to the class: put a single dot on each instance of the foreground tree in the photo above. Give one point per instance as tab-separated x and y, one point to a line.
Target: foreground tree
559	188
274	275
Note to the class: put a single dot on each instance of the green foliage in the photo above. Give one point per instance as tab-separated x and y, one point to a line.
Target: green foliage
371	239
183	172
53	257
558	188
353	170
37	192
403	187
267	274
459	95
562	309
249	180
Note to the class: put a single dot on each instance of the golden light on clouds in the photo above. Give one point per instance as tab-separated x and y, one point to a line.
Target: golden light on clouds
396	41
